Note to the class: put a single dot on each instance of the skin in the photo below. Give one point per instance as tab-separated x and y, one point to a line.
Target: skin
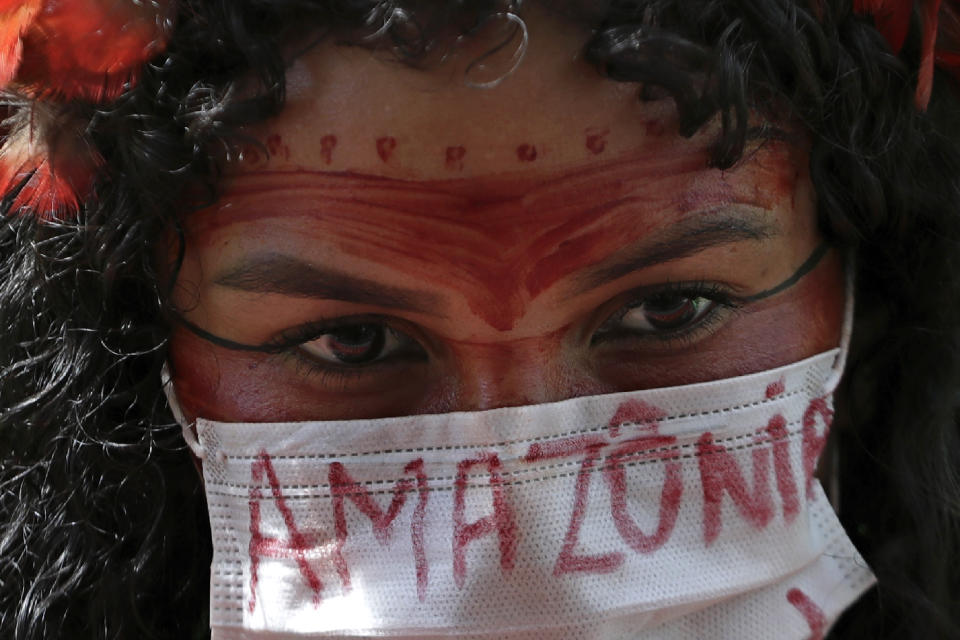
502	231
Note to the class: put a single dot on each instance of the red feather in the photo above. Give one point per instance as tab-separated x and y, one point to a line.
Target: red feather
938	46
48	164
891	17
15	18
947	49
928	14
86	49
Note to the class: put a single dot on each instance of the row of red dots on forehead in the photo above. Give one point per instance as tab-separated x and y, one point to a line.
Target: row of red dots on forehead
454	157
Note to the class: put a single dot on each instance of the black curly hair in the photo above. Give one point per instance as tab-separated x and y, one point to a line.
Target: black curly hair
103	528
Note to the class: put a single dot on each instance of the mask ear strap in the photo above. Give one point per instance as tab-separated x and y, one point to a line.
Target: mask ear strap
185	427
846	331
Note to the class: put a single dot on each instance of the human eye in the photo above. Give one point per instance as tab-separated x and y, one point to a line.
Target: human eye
671	313
352	344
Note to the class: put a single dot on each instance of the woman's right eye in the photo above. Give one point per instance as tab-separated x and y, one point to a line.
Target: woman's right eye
358	344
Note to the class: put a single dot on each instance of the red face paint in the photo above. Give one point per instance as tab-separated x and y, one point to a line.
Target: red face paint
327	144
496	245
251	155
654	128
526	153
596	139
276	147
499	253
385	147
454	158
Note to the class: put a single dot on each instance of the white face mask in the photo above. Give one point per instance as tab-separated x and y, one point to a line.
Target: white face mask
684	512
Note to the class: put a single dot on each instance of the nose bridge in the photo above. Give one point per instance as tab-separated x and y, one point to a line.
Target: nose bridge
507	374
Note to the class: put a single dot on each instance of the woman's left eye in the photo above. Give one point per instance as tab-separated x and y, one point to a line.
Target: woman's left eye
665	314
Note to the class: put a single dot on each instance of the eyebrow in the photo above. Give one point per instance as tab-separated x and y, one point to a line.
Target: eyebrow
685	238
283	274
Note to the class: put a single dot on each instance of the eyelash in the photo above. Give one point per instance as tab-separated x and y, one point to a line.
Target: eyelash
289	343
726	304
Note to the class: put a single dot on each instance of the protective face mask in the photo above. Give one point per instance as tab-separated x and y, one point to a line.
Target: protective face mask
683	512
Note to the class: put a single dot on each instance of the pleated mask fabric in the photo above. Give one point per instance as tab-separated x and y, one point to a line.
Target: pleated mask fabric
681	512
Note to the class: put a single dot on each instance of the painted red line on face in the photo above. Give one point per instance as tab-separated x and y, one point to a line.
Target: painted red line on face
385	147
276	146
454	158
526	153
327	144
509	257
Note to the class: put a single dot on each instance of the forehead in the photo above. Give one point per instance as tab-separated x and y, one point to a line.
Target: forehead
402	174
351	109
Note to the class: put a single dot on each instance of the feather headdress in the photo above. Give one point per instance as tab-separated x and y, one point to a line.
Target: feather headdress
52	53
939	35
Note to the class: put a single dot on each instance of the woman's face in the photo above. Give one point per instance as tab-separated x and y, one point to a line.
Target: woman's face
422	246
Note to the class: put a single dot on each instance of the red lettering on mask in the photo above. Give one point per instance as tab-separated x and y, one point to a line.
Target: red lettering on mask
342	485
644	448
568	561
783	468
720	473
635	412
638	450
501	521
651	447
812	613
775	388
814	441
295	548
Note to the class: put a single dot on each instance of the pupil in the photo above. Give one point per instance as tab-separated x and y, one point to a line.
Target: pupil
670	312
356	344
